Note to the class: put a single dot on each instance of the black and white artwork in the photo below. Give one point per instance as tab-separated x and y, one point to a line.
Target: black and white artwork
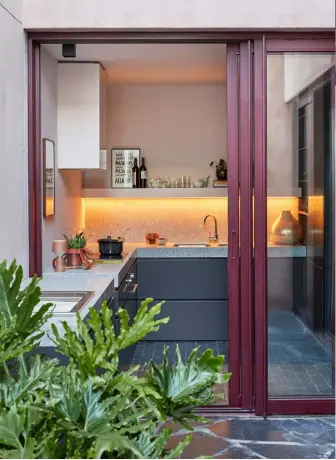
122	164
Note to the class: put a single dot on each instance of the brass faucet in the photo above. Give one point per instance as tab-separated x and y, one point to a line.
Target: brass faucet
213	238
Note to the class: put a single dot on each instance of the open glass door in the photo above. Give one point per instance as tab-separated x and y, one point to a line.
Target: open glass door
294	226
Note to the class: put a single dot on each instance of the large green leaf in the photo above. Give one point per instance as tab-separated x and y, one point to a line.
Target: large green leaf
39	372
11	427
100	348
185	387
20	327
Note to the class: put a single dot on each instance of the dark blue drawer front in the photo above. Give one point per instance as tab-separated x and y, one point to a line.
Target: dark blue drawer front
182	279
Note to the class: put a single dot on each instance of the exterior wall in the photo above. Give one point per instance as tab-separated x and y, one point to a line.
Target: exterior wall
180	129
13	135
69	209
107	14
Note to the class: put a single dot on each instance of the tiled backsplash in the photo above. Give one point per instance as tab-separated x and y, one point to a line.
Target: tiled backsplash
179	220
176	219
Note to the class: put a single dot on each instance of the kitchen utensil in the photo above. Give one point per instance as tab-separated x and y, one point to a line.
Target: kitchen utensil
286	229
111	246
59	248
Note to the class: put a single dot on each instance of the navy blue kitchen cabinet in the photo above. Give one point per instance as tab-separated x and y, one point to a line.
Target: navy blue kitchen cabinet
195	293
183	279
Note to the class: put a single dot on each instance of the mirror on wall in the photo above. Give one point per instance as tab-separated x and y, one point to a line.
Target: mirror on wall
48	177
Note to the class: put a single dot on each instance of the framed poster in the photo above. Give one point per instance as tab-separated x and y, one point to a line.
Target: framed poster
48	147
122	164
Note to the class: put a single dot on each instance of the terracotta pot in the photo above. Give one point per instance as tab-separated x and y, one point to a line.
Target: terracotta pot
286	229
74	258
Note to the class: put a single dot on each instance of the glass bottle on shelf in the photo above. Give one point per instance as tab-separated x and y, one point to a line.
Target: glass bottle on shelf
143	174
135	174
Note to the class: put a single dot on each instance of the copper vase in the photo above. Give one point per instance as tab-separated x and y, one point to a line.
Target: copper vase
286	229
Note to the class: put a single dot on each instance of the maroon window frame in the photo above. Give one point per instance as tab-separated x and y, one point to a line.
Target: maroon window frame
264	404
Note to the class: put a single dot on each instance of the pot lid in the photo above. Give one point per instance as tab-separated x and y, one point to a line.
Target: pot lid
109	239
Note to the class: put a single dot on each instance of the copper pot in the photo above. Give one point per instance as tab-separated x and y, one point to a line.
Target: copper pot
286	229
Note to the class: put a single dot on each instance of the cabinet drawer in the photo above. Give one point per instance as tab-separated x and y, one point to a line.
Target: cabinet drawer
183	279
193	320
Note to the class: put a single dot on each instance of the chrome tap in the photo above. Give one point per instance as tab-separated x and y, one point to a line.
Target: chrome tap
213	238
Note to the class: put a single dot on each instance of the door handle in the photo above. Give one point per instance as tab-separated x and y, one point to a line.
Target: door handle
234	244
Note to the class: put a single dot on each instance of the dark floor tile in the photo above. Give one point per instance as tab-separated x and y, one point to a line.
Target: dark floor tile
290	451
201	445
237	452
248	429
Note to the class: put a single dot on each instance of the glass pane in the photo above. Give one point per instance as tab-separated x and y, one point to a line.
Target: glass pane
300	228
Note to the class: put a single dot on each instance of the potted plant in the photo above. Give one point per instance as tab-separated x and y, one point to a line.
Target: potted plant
76	245
221	169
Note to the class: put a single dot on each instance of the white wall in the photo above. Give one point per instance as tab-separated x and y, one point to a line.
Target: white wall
300	70
69	210
280	172
113	14
13	135
180	129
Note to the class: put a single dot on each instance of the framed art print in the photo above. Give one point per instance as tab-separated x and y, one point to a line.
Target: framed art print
122	164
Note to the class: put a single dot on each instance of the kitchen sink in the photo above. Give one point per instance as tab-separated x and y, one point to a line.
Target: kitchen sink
192	245
65	301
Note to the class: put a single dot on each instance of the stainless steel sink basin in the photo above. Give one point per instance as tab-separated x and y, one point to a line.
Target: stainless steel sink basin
66	301
192	245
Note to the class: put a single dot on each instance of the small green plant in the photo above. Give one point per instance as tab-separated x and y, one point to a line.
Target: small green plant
76	242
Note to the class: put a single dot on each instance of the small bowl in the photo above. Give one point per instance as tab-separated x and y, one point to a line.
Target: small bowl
162	241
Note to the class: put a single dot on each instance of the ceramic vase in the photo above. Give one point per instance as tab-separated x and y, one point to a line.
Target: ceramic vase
286	229
59	248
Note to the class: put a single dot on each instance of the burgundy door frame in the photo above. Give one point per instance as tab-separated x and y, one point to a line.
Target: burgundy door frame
241	397
34	159
264	404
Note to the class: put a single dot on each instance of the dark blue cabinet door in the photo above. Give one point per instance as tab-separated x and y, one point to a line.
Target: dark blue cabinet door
192	320
183	279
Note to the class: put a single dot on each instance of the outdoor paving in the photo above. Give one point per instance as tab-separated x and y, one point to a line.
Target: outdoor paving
255	437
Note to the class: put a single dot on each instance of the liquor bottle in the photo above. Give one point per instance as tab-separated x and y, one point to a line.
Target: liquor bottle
135	174
143	174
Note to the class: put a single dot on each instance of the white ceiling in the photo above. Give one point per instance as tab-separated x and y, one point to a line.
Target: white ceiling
154	63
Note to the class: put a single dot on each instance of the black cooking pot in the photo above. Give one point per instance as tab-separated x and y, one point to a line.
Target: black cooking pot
111	247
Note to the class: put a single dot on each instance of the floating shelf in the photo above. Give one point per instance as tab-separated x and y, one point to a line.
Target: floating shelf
154	193
177	192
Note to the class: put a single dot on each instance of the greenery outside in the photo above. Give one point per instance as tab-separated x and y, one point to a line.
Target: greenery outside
89	408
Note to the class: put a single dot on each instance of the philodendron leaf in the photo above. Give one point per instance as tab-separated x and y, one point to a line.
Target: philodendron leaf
144	323
20	328
185	386
11	427
100	348
39	372
114	442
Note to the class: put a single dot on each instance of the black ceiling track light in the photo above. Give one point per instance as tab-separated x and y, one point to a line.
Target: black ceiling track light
69	50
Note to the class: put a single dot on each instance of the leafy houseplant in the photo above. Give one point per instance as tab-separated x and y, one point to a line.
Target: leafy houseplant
75	245
89	408
221	169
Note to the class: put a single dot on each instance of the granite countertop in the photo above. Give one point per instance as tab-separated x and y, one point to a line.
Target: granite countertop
118	271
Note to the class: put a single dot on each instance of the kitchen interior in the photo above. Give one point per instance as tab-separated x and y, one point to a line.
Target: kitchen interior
135	201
